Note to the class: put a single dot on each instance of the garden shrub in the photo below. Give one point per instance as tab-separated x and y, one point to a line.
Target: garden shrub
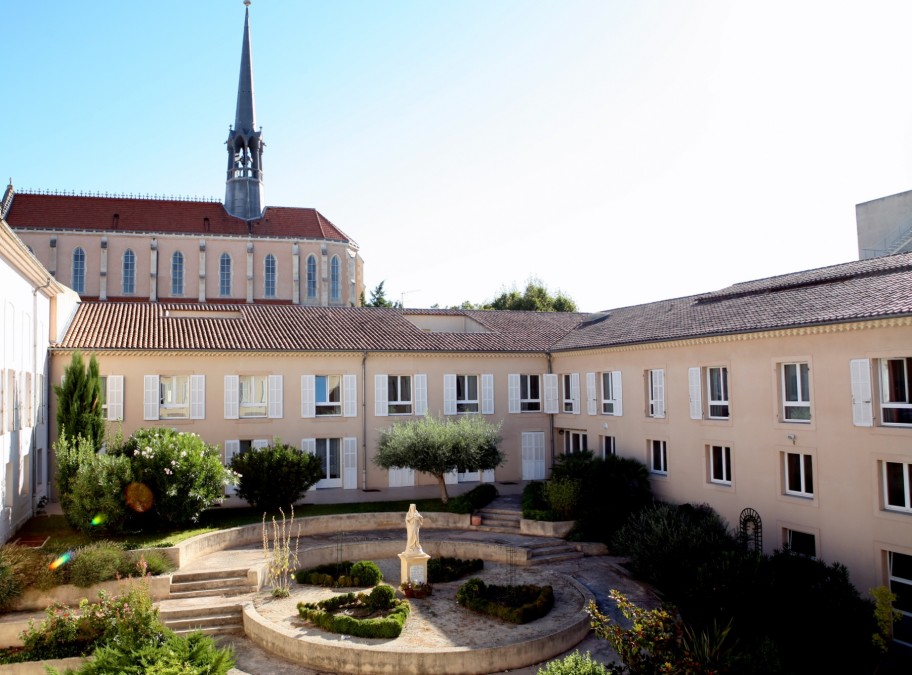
195	654
29	567
381	597
95	563
95	504
346	573
184	474
562	495
476	498
443	569
322	614
10	586
575	664
276	476
534	503
516	604
366	573
70	453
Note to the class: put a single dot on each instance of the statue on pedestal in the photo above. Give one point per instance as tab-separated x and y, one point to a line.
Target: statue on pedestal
413	521
414	560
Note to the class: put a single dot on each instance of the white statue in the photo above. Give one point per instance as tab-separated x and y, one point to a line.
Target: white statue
412	525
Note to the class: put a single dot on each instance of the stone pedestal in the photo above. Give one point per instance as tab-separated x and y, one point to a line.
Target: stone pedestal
414	566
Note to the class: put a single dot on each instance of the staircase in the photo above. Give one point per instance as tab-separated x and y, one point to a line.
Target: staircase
548	552
498	520
209	583
209	619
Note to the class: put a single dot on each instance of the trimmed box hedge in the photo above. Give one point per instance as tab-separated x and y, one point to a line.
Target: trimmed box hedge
381	599
363	573
516	604
443	569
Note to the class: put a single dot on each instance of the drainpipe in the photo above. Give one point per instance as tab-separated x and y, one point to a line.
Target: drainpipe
550	417
33	477
364	420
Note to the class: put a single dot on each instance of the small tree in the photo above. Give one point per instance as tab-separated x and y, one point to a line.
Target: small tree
276	476
79	401
378	298
438	446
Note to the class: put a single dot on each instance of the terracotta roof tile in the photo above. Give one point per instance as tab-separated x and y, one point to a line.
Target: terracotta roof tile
121	214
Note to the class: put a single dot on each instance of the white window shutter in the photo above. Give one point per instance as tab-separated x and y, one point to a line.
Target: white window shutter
151	397
349	395
591	394
449	394
487	476
381	400
421	405
197	397
513	393
487	394
451	478
309	445
349	463
617	389
259	443
308	396
232	448
275	397
114	397
551	406
658	392
862	409
696	393
231	397
575	392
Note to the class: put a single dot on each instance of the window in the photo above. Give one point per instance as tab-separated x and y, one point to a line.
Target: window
575	441
311	277
658	457
329	452
796	392
335	279
608	446
254	393
611	393
570	386
720	464
79	270
269	276
897	486
328	393
128	273
717	392
895	392
655	380
466	393
225	275
801	543
799	474
399	394
174	399
529	393
900	571
177	273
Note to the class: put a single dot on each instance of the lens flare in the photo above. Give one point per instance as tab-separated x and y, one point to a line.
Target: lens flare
61	561
139	497
98	520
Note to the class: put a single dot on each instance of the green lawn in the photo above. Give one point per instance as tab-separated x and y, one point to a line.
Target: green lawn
63	537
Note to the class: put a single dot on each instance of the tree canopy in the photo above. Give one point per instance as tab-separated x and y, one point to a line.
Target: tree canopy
439	446
80	400
378	298
535	298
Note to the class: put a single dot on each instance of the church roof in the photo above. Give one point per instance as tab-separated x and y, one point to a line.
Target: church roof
126	214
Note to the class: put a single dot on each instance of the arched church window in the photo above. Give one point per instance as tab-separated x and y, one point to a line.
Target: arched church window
269	276
79	270
225	275
335	281
177	273
128	272
311	277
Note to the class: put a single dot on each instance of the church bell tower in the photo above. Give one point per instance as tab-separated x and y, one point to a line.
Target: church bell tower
244	187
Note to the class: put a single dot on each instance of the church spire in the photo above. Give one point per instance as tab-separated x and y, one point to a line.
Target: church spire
244	188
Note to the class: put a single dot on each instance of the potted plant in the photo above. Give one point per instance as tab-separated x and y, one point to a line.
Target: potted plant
416	589
475	518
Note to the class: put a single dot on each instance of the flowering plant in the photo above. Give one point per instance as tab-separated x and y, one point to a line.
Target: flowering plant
412	587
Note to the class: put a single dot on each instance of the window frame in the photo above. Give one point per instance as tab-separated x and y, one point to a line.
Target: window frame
526	403
256	409
328	404
567	401
608	446
270	274
335	279
658	457
177	274
789	539
803	400
609	395
166	410
310	277
465	404
898	408
128	272
905	471
403	406
78	269
725	401
225	275
805	475
575	441
721	460
655	393
902	587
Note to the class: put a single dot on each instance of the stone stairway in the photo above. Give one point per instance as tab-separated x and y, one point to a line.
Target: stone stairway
498	520
209	619
548	552
209	583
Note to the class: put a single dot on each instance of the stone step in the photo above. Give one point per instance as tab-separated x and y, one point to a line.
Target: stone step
555	557
233	629
550	549
211	592
237	572
210	584
500	522
210	620
498	530
511	513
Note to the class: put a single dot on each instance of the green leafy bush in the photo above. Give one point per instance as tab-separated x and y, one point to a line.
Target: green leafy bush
21	568
323	615
535	504
184	474
95	504
516	604
443	569
70	453
346	573
381	597
366	573
575	664
476	498
562	495
92	564
276	476
10	586
195	654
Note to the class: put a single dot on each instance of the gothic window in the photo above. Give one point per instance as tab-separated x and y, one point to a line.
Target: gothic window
311	277
79	270
128	275
225	275
269	276
335	282
177	273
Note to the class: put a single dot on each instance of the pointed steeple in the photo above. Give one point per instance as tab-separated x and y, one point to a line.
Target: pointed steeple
244	187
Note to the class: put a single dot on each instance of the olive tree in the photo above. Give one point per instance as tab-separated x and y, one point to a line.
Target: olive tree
439	446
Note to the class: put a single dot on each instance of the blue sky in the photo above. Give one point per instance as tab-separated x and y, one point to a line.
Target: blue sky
620	151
